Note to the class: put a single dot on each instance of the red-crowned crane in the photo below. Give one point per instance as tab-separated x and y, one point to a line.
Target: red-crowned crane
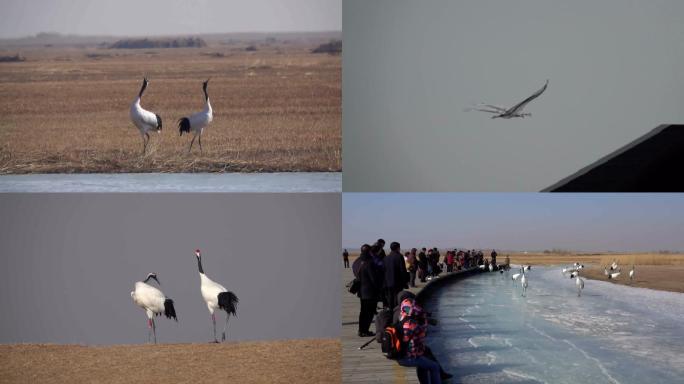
146	121
508	113
198	121
523	282
153	301
216	296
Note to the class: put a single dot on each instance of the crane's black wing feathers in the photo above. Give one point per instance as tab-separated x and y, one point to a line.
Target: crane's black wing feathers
228	302
169	310
184	125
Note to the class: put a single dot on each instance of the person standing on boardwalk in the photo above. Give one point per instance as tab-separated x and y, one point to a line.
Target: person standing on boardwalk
493	257
378	254
396	277
422	265
412	267
365	272
414	323
345	258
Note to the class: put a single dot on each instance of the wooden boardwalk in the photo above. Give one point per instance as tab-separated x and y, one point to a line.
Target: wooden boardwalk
367	365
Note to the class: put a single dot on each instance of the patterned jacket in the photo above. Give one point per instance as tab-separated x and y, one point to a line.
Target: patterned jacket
415	328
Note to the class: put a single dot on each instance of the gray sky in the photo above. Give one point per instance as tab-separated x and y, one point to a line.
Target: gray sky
516	221
157	17
69	263
411	67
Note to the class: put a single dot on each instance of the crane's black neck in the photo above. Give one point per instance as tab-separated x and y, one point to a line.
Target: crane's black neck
206	95
199	265
142	89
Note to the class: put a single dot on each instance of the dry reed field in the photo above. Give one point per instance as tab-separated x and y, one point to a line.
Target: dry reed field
291	361
277	108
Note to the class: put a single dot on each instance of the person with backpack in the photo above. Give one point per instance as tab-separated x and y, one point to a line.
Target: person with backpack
396	317
414	327
369	289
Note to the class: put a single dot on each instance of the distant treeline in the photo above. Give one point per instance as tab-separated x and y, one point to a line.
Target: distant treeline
159	43
334	47
12	59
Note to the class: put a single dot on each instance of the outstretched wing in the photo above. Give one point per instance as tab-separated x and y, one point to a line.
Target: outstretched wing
494	107
518	107
483	109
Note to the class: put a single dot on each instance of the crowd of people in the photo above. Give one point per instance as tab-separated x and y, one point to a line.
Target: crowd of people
384	278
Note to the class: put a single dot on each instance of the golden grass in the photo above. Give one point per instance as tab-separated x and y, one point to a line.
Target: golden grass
291	361
643	259
277	109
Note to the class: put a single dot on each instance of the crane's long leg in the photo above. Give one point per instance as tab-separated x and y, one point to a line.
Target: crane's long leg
144	143
154	331
200	141
191	142
213	320
225	327
149	330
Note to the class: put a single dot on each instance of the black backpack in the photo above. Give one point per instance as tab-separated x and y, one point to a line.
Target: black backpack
382	320
392	344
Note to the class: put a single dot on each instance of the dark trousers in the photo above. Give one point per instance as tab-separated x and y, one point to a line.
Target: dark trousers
412	279
366	314
346	263
391	296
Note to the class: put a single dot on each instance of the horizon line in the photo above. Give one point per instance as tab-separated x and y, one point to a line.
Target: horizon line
62	34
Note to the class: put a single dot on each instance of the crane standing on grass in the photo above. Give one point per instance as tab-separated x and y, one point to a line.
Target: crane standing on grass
216	296
144	120
153	301
198	121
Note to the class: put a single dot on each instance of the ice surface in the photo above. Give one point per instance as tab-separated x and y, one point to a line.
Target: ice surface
175	182
487	332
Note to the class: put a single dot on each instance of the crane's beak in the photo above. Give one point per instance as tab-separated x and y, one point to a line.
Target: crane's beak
155	277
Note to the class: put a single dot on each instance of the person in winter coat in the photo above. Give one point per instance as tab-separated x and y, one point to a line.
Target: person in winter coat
365	272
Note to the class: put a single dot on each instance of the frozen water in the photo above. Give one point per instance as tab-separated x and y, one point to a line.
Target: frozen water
175	182
487	332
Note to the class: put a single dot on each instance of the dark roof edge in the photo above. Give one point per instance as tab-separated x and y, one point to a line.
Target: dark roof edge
606	158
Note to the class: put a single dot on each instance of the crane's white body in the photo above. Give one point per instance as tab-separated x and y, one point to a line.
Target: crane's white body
200	120
143	119
508	113
523	283
210	291
515	276
631	274
148	298
614	275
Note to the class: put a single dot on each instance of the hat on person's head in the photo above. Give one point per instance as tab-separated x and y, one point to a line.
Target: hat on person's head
405	295
395	246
